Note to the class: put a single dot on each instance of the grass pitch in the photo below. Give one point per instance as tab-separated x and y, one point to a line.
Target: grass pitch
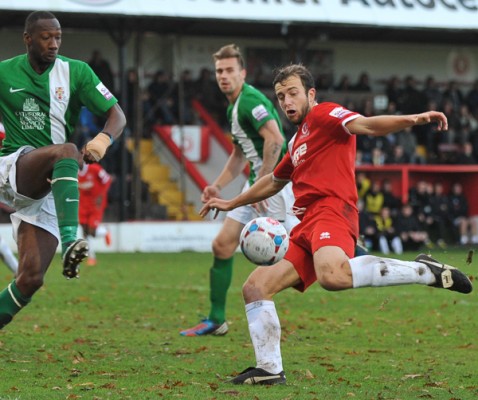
113	334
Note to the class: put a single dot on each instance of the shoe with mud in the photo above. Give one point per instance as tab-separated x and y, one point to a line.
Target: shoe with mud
258	376
75	253
447	277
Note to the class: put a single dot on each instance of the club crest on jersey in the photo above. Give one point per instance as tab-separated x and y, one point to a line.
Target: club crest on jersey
259	112
339	112
60	93
305	130
104	91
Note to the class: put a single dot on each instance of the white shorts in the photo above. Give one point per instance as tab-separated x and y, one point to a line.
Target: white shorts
41	213
280	206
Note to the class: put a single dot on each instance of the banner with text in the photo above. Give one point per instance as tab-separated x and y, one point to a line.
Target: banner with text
452	14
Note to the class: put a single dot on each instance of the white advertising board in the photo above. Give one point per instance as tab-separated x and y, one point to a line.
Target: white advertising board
154	237
452	14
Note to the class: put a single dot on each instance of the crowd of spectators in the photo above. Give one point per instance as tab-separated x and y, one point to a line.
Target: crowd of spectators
431	217
421	144
165	99
161	103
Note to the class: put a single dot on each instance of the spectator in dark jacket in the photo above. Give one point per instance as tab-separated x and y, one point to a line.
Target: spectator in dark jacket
458	211
412	232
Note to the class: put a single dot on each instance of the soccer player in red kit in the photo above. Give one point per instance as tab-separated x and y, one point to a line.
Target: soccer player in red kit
94	183
321	165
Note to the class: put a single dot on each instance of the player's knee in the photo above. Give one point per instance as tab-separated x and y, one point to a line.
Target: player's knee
222	248
62	151
254	290
69	150
334	277
249	291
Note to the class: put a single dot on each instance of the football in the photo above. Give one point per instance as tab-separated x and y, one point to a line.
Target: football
264	241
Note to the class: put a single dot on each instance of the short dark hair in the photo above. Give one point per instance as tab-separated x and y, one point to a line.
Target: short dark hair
229	51
34	17
298	70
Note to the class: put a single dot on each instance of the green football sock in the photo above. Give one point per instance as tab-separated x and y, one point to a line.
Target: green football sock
220	279
11	302
64	186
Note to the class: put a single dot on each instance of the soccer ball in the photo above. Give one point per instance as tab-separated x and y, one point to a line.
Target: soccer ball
264	241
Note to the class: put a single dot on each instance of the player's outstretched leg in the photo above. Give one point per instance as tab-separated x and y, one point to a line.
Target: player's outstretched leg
376	271
75	253
447	277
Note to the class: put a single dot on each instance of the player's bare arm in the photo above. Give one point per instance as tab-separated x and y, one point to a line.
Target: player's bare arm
231	170
384	124
265	187
115	122
273	141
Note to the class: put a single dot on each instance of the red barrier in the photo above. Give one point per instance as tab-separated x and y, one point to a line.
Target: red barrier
164	133
406	176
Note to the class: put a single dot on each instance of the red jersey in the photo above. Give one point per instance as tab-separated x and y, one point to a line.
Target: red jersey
93	182
321	157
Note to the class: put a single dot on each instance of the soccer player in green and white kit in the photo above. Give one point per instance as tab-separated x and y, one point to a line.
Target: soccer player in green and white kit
260	141
41	94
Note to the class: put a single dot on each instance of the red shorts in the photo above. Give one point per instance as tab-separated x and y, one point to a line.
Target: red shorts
91	216
327	222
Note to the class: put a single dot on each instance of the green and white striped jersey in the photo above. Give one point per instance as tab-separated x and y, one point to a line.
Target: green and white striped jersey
43	109
247	115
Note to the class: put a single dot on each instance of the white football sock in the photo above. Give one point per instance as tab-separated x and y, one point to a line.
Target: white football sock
8	257
265	331
381	271
91	250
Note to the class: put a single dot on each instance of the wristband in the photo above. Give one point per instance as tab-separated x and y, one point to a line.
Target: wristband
97	146
110	135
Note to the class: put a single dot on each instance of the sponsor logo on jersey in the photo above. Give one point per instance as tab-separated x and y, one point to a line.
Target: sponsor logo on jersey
298	153
339	112
104	91
324	235
259	112
60	93
31	117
